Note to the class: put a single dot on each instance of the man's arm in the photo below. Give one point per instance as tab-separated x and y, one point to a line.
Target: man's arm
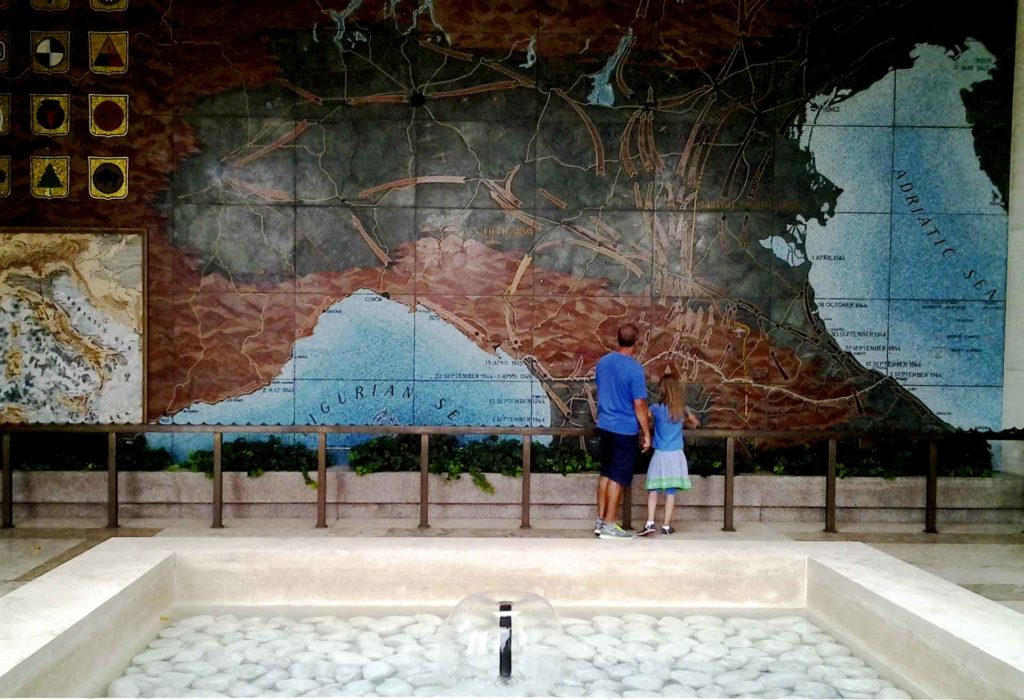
641	410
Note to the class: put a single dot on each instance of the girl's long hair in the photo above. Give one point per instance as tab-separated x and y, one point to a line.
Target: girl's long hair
673	397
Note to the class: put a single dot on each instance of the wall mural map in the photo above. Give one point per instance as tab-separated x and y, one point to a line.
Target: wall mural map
71	327
439	211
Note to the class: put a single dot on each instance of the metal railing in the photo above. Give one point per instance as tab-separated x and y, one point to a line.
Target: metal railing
321	431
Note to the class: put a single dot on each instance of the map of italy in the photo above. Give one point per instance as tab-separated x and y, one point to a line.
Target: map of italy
71	327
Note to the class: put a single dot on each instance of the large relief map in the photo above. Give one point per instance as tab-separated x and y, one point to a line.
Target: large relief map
439	211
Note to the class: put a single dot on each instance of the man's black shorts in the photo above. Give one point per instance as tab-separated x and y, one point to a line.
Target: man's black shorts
618	455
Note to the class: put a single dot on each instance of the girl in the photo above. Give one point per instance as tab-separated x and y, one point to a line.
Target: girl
668	472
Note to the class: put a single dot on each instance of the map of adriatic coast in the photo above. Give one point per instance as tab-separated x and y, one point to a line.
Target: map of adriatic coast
71	321
909	272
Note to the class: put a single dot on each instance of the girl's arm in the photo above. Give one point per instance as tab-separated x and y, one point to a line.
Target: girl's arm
691	420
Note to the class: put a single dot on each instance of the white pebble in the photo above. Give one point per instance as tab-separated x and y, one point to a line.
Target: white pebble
675	649
419	630
245	690
811	689
347	674
218	682
176	679
695	679
161	642
296	686
377	671
249	672
782	680
311	669
675	690
358	688
713	650
773	646
730	677
743	688
393	687
642	682
348	658
424	678
711	691
200	668
123	688
844	661
175	632
850	686
709	635
149	655
271	677
155	668
827	649
222	628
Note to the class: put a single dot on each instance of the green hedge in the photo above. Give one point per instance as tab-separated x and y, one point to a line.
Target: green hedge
887	457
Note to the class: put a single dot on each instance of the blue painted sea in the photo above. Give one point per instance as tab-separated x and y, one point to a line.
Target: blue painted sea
909	273
373	361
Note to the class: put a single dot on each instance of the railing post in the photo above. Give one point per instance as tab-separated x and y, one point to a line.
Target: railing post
218	482
111	480
830	488
730	472
931	487
527	459
424	479
321	479
7	479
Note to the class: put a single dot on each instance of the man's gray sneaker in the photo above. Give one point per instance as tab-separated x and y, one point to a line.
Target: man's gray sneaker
612	531
598	524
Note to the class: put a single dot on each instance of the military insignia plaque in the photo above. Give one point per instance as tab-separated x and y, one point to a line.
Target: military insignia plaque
5	176
50	176
49	4
51	115
108	52
5	113
50	51
108	177
5	55
108	115
109	5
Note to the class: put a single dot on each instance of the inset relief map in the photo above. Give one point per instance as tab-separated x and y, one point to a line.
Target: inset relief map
71	327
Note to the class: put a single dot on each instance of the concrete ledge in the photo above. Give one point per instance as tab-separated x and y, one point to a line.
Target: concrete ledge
951	642
758	497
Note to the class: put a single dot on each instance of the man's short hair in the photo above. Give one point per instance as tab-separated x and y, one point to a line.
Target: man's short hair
628	335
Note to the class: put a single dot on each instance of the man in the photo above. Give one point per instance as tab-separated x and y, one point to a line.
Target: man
621	414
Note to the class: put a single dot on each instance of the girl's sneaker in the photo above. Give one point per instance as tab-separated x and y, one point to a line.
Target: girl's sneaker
666	529
648	529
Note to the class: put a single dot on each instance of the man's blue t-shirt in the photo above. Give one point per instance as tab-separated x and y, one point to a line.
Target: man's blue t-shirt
620	380
668	434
